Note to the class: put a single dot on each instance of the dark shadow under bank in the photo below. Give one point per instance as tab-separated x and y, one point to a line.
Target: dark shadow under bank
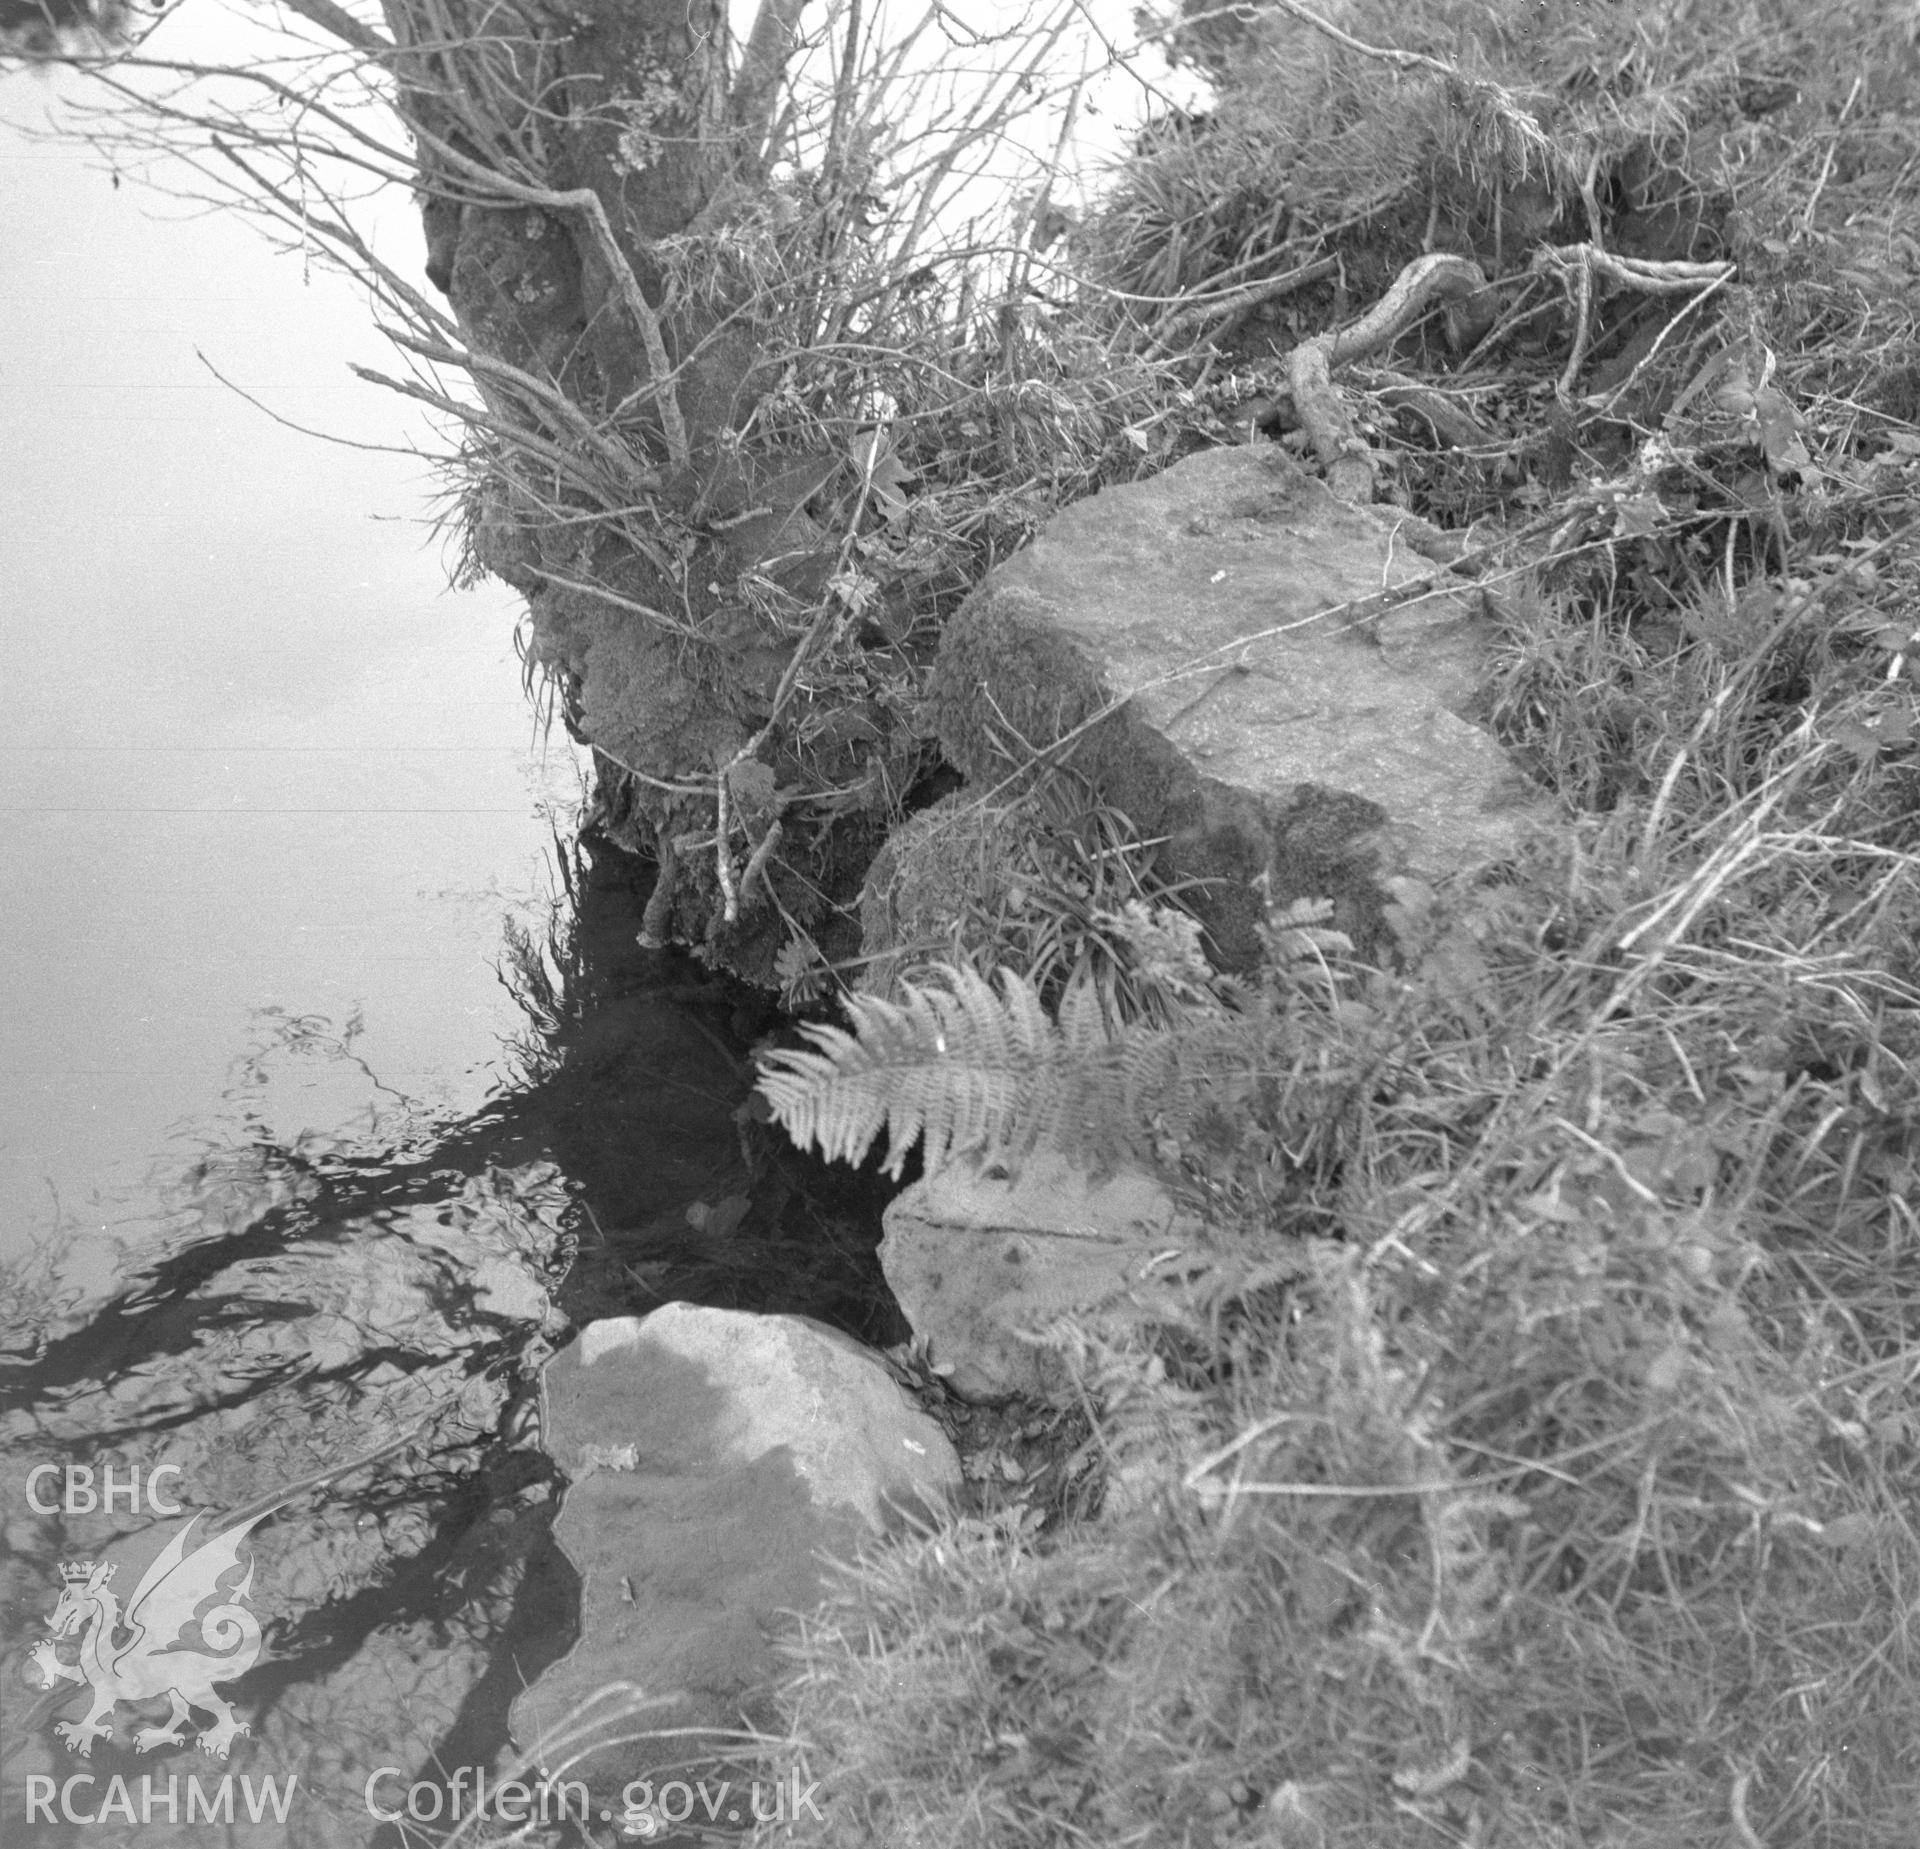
647	1038
340	1290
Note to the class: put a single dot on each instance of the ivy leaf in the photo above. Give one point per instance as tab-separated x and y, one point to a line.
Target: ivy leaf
1639	516
887	478
854	589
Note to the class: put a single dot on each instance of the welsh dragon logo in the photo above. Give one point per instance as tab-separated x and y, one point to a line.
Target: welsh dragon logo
181	1632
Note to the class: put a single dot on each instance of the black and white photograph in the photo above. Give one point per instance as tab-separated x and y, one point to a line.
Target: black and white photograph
960	924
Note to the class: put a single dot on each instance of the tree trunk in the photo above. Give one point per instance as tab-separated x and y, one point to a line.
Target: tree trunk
579	180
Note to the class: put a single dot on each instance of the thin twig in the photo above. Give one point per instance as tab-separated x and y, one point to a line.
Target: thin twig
622	462
1245	15
338	231
307	430
480	419
617	602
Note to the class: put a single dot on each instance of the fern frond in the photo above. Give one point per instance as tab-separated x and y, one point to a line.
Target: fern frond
953	1063
975	1070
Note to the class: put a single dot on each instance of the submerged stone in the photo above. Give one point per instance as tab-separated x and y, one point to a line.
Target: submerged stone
716	1457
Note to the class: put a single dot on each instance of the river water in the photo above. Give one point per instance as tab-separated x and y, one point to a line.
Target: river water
256	757
334	1089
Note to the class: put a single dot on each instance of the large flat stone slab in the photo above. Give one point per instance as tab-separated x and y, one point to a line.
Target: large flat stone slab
715	1458
982	1260
1208	649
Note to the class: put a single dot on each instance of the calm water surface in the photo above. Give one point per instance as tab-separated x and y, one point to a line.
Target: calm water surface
253	755
334	1092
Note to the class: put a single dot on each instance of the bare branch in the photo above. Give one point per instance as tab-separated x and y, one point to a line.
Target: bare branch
756	91
558	406
342	24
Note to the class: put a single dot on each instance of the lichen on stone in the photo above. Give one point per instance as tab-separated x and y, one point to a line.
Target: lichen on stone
637	146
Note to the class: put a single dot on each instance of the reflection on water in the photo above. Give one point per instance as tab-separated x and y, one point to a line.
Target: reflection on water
640	1072
382	1300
